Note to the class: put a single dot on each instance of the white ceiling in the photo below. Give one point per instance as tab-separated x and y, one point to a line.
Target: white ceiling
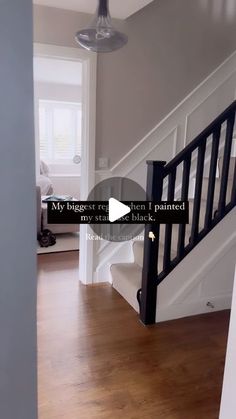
119	8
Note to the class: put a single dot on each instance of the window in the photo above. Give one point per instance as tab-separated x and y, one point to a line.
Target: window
60	133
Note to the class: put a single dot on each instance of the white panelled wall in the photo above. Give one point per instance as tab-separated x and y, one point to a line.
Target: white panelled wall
216	252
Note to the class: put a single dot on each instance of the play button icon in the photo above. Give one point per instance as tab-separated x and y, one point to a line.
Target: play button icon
115	191
117	210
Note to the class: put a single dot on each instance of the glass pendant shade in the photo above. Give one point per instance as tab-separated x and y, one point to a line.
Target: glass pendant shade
101	36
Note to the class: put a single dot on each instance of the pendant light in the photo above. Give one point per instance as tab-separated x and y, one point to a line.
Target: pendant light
101	36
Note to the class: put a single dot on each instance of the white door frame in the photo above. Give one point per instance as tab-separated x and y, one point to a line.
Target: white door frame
89	77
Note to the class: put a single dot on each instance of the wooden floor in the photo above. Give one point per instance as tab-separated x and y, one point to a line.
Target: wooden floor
97	361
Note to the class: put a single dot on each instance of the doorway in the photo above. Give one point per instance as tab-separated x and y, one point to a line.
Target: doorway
65	117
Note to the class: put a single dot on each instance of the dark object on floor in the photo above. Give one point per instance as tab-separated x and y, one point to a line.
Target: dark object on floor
46	238
53	198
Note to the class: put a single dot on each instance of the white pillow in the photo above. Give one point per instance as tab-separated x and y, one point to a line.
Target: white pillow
44	169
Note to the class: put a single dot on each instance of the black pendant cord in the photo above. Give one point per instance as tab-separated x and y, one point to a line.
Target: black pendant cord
103	8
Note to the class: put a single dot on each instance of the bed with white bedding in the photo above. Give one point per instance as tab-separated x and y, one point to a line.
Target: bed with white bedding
45	185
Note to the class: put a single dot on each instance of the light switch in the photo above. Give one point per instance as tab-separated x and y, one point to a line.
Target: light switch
103	163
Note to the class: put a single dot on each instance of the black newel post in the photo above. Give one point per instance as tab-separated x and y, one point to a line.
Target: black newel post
155	176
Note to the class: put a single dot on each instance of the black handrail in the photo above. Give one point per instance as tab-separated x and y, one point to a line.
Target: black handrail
160	173
193	145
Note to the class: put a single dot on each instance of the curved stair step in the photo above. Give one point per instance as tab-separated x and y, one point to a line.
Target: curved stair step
127	279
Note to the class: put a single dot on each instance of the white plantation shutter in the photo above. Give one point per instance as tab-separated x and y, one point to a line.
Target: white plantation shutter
79	130
59	131
43	137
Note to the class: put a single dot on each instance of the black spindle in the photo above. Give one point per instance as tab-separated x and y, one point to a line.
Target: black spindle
198	190
212	176
233	196
226	162
184	197
168	231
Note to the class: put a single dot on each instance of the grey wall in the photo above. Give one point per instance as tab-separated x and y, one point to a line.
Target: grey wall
17	215
173	45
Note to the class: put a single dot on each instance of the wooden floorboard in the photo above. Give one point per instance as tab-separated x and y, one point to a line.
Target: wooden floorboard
96	360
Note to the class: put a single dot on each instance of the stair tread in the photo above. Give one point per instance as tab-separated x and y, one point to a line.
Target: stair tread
133	270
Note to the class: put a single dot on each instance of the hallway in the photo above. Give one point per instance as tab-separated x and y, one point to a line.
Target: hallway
96	361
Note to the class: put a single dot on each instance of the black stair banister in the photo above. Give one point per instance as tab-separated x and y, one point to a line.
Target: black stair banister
212	176
160	174
193	145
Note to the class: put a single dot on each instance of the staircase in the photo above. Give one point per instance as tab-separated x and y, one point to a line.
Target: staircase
209	157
